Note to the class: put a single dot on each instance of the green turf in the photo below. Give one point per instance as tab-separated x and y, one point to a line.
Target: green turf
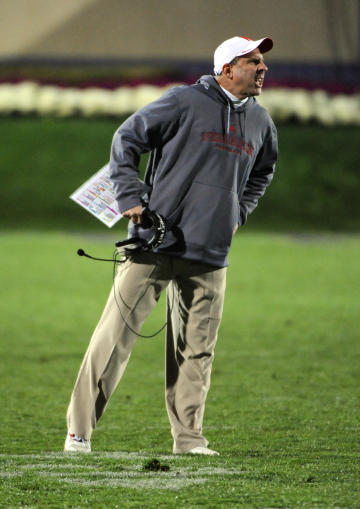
43	160
283	408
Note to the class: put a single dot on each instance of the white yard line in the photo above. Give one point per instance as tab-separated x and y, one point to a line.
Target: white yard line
71	470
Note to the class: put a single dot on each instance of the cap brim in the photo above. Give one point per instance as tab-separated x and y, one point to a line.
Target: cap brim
265	45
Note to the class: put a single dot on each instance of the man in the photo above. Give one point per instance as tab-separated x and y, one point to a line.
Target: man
212	154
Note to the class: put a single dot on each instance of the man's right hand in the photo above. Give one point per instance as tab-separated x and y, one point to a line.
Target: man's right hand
134	214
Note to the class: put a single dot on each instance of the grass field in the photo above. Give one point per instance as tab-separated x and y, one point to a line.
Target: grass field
283	408
316	185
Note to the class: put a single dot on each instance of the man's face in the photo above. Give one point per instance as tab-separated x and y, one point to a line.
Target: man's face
247	75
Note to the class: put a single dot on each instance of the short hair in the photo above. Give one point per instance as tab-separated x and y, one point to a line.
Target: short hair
234	61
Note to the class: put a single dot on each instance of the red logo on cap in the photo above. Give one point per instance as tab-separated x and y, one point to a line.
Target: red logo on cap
247	38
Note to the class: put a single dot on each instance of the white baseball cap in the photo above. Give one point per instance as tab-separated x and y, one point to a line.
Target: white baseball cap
237	47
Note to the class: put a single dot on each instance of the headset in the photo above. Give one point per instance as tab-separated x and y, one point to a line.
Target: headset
155	229
155	224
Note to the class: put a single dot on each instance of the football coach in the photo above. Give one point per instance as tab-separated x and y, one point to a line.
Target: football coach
213	151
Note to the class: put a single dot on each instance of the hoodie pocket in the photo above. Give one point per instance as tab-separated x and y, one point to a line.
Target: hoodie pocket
210	214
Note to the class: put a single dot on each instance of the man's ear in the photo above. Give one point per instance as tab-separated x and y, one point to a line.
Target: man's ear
227	70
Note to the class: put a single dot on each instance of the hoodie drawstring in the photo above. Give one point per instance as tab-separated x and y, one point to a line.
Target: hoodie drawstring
228	119
242	123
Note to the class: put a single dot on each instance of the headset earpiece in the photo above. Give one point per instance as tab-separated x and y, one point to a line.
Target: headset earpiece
150	220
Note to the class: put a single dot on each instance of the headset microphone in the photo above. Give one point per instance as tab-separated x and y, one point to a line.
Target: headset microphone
81	252
151	221
155	224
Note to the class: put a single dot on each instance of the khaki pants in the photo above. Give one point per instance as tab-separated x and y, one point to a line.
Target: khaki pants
195	295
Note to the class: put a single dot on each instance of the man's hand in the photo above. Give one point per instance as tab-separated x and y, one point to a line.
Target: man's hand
134	214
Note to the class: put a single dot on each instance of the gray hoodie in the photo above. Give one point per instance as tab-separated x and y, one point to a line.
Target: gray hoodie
209	164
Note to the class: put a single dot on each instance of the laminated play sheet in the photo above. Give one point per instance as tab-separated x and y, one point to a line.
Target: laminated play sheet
96	195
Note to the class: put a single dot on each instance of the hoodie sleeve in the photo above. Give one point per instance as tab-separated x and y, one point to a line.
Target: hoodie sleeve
145	130
260	176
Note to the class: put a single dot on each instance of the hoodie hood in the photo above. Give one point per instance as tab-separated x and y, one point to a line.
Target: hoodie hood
209	86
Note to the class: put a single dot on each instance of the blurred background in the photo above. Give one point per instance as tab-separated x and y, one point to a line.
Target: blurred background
71	72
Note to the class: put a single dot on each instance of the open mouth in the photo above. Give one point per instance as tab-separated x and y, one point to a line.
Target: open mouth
259	81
